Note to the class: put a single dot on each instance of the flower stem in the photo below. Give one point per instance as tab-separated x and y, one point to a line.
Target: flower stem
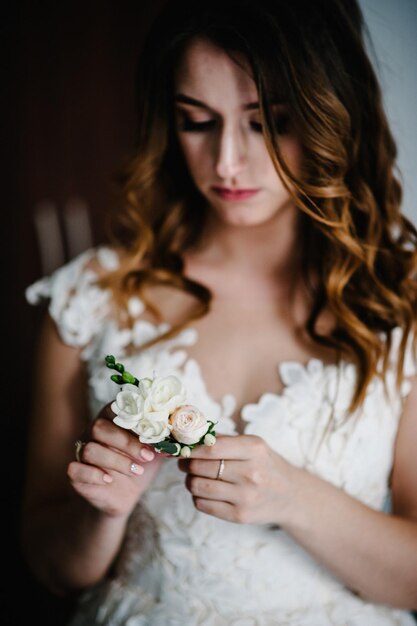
123	376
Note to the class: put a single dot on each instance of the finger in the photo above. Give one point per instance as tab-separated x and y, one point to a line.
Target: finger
105	432
222	510
239	447
232	470
211	489
108	459
90	491
106	412
88	474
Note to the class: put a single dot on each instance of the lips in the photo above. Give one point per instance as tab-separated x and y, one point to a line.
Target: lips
234	194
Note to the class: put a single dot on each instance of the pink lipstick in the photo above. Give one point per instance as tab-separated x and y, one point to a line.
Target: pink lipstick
234	194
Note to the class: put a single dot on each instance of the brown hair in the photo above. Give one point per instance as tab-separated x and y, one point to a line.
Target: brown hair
359	250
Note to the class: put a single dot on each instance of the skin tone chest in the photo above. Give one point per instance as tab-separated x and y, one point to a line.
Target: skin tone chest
249	330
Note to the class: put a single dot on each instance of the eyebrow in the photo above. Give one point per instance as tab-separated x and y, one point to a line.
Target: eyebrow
183	99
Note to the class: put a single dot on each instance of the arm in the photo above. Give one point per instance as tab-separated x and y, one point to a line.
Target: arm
373	553
74	514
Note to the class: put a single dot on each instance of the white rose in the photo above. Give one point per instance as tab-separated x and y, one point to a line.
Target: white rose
144	385
165	394
128	406
188	424
151	431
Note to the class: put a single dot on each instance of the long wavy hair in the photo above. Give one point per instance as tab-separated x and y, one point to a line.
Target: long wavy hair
359	250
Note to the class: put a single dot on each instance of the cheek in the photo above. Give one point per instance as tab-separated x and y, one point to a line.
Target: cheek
263	167
291	151
195	154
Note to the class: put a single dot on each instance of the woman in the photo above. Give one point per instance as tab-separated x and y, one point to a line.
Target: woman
262	257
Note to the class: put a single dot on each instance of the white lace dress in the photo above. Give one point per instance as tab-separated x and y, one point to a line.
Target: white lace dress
182	567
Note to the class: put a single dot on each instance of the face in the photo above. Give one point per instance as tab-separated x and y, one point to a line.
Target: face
220	134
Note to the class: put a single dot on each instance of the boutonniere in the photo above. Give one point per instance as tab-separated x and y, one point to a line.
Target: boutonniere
157	411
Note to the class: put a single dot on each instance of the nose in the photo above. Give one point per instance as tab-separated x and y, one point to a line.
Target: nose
232	153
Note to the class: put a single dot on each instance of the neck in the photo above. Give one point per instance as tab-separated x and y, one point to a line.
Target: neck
269	250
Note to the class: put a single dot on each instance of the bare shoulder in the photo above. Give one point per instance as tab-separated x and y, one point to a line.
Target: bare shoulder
404	476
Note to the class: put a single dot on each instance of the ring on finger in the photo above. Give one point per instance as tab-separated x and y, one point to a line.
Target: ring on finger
221	469
79	445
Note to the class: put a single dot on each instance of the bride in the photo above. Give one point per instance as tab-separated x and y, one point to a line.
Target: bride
259	253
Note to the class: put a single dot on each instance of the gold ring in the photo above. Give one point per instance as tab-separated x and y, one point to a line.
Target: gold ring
79	445
221	469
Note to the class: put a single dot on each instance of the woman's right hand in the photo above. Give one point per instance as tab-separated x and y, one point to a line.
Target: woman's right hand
114	467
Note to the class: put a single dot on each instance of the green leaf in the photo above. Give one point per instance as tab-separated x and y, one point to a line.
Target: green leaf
167	446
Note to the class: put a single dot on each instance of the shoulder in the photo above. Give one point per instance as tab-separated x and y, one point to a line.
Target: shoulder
89	265
76	301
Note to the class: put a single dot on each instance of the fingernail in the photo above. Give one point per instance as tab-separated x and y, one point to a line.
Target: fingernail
136	469
146	454
107	478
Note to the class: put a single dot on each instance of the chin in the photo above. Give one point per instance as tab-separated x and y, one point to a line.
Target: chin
246	218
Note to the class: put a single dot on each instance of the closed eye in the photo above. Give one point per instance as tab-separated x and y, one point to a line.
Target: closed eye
188	126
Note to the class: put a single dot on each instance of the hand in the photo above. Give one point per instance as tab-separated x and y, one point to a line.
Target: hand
114	468
254	486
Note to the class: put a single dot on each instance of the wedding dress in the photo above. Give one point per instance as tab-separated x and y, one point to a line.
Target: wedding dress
179	566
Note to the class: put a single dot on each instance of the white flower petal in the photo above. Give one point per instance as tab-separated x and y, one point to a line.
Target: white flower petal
123	423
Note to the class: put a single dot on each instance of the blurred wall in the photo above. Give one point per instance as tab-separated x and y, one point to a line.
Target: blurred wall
393	27
69	124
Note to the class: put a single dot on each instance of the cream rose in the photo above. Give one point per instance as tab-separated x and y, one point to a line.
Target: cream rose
188	424
164	395
128	406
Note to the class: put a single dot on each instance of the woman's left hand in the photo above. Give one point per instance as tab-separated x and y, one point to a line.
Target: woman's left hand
254	485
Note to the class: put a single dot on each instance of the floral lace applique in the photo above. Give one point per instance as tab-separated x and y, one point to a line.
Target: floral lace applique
255	575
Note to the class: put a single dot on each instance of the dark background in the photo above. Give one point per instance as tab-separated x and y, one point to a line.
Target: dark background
68	123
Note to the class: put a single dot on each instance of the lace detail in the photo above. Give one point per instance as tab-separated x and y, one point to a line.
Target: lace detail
180	566
77	304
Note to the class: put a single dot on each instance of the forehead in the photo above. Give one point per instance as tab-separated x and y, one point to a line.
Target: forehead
205	71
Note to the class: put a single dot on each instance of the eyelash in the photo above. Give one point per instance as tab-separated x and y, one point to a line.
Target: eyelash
188	126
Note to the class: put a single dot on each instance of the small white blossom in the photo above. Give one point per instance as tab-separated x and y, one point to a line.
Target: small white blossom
164	394
185	452
128	407
151	431
144	385
209	440
178	449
